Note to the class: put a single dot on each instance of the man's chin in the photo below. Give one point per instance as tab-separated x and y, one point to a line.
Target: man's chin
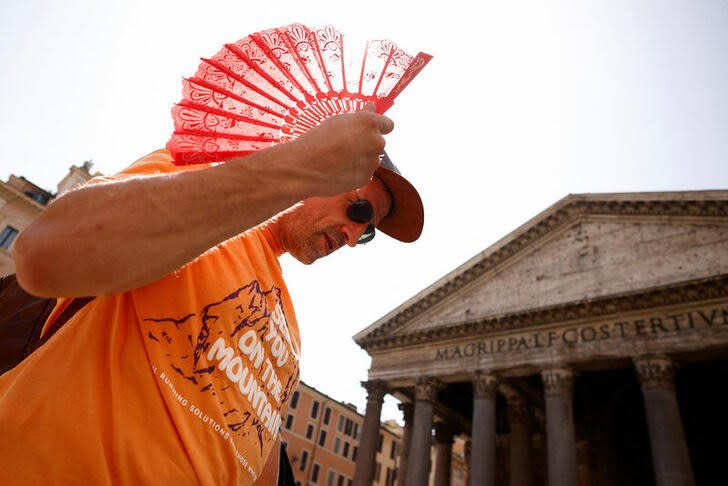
305	258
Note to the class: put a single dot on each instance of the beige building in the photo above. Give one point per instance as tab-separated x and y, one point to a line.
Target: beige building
322	439
21	202
589	346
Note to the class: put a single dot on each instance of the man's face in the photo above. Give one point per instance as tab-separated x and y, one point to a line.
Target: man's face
318	226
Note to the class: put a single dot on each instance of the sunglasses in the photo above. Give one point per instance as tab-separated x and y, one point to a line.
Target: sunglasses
361	211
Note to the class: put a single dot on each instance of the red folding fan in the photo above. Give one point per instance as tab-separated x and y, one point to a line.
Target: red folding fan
274	85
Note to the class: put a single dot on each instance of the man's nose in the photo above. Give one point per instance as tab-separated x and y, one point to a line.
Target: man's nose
352	231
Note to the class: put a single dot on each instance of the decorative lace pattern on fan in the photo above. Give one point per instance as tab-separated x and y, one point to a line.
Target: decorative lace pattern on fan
275	85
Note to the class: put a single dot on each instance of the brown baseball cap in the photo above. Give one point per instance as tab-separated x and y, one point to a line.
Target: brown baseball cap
406	217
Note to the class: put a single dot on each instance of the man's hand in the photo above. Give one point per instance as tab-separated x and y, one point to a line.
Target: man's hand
121	235
342	153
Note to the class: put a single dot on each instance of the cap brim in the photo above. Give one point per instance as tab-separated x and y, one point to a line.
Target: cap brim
407	216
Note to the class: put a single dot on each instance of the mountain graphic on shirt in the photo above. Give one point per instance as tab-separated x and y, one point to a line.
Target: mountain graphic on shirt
187	339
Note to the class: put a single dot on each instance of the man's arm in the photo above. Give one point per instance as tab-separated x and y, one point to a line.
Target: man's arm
121	235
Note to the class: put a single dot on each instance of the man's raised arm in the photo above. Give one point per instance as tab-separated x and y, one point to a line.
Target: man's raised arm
121	235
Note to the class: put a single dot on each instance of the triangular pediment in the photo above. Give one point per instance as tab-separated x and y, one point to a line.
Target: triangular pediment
584	248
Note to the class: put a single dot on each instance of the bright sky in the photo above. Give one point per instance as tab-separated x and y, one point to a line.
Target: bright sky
523	103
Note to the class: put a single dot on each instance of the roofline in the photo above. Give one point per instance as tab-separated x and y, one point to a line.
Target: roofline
4	186
452	278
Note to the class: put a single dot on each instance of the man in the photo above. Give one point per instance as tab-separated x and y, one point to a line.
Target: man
178	371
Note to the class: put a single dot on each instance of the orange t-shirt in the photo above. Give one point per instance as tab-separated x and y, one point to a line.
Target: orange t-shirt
181	381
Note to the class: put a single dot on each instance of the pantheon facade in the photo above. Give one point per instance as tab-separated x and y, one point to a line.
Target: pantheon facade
587	347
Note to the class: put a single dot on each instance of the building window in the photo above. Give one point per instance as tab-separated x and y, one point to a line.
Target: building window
341	480
340	427
337	445
378	472
356	431
289	422
392	451
353	454
347	428
348	483
309	431
37	197
346	449
314	409
304	458
7	236
294	400
322	438
380	440
315	473
327	415
330	480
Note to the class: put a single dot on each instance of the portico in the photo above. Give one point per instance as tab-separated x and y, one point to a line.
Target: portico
562	352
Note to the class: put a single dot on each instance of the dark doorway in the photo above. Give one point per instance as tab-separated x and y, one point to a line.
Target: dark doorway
702	391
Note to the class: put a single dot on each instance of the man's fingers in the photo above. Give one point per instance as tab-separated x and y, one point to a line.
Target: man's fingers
386	125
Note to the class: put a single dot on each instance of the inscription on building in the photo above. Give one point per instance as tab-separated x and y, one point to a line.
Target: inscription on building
654	326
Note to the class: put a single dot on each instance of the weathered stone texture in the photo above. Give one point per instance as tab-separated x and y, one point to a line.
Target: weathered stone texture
590	259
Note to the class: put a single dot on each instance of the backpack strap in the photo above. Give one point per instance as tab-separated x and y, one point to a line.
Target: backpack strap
22	317
74	306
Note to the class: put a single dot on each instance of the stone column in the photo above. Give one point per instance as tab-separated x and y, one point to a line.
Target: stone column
418	462
468	448
408	412
560	433
443	453
670	456
366	456
519	422
482	452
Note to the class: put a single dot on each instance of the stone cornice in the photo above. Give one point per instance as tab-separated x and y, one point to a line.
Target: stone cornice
564	213
682	293
10	193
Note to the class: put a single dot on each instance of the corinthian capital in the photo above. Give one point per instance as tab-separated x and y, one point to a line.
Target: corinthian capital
558	381
655	372
485	385
376	389
426	388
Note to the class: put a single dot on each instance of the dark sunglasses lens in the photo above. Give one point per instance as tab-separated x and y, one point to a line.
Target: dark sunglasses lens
367	236
360	211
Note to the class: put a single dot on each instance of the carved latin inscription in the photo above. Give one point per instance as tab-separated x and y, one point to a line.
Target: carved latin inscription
648	328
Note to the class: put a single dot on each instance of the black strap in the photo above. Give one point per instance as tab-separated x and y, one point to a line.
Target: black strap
285	472
75	306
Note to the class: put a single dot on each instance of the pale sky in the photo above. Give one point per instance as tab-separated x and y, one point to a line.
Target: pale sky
523	103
